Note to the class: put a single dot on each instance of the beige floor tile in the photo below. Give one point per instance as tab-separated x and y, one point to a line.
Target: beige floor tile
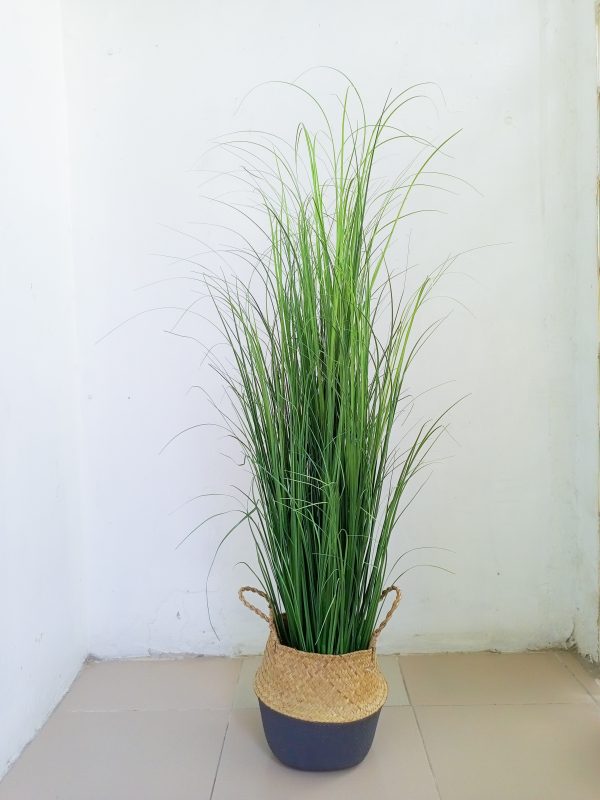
132	755
188	683
529	752
589	677
396	692
244	696
396	766
489	678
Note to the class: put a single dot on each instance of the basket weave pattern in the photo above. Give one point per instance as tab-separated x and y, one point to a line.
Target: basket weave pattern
316	687
320	688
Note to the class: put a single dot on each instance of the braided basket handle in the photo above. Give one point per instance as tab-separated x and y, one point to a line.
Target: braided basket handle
388	616
268	619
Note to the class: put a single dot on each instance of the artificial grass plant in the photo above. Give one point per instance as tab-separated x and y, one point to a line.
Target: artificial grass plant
320	353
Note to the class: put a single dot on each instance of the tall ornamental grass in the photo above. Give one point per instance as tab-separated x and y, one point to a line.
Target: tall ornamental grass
321	347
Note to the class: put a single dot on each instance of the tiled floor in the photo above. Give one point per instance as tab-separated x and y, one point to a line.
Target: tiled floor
456	727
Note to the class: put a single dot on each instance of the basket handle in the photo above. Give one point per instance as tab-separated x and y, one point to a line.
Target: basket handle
257	611
269	619
388	616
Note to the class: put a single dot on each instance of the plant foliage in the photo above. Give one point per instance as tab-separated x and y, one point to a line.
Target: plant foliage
321	352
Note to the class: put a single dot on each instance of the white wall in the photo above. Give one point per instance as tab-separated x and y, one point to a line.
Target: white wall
583	342
42	638
149	85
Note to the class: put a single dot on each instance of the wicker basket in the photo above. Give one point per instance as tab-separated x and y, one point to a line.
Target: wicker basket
329	690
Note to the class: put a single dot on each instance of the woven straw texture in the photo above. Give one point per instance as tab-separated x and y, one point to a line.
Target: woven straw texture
320	688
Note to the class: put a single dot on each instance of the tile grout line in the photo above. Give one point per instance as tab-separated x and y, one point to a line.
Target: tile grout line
155	710
541	703
212	789
231	709
398	662
427	756
566	666
418	724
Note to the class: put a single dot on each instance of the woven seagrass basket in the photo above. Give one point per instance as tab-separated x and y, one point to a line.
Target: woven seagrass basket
319	711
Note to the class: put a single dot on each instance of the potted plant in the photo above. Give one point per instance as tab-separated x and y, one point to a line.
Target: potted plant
321	345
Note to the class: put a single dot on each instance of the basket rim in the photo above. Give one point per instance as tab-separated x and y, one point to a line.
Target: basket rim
369	651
